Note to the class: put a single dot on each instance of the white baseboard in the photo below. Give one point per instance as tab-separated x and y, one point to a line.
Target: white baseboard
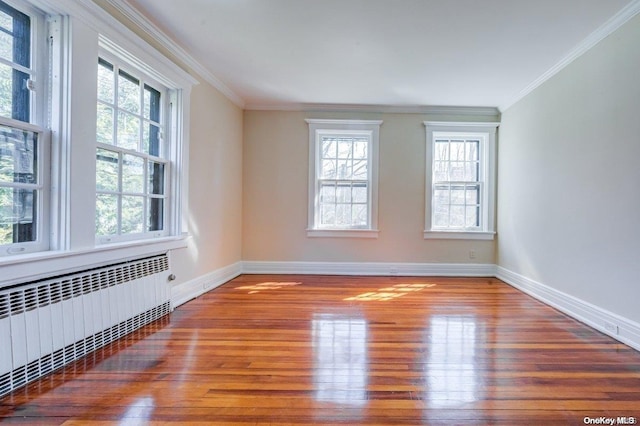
370	268
620	328
191	289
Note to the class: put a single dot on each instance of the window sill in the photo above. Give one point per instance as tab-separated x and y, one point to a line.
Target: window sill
34	266
342	233
459	235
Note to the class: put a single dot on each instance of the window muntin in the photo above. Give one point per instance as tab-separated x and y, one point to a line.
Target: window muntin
131	167
16	73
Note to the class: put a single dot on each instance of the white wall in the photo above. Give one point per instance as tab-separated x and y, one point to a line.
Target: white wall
275	194
569	179
214	213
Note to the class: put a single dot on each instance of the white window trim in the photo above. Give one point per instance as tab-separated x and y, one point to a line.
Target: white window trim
70	250
318	127
488	159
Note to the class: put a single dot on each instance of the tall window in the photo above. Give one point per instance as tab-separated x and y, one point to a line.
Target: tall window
461	180
343	177
131	159
24	150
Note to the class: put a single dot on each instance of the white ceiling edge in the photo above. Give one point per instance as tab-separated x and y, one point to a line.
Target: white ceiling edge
174	48
615	22
391	109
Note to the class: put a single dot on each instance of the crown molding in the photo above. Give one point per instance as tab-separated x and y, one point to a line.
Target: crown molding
390	109
615	22
149	28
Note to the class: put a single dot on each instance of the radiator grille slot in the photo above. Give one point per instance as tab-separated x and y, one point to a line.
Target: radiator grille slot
51	323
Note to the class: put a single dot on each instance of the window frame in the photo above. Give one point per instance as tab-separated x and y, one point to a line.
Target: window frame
348	128
120	64
486	133
37	111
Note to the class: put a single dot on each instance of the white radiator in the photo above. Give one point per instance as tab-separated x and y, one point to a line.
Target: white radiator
47	324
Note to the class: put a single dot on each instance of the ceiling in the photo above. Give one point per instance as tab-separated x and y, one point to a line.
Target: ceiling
400	53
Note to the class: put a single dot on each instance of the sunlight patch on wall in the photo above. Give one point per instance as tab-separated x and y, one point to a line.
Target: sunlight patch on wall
390	293
257	288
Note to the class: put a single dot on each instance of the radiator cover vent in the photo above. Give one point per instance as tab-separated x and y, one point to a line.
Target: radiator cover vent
47	324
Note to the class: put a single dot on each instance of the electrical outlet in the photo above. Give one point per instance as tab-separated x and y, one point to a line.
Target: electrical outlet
472	254
611	327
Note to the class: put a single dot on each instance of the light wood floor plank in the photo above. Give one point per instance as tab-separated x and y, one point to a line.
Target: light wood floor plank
333	350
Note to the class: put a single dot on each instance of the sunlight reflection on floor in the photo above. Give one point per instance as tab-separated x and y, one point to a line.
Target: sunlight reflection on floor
390	293
257	288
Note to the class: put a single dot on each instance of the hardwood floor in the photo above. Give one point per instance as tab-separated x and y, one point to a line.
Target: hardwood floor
347	350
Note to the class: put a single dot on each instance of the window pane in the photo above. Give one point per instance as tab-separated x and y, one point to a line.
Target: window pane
360	169
457	195
128	92
472	150
132	214
343	194
457	171
328	169
106	214
471	172
15	46
107	169
328	193
360	149
132	174
456	217
327	214
18	212
440	171
359	215
473	217
441	194
441	217
343	214
151	104
6	21
104	125
156	178
6	87
128	131
14	95
360	194
329	148
105	81
442	150
6	44
18	155
151	139
345	170
344	148
473	195
156	214
456	150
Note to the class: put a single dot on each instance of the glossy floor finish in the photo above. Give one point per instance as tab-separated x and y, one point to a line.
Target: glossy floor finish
346	350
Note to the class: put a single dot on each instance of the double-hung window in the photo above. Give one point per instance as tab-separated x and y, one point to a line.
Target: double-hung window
460	180
343	188
24	144
132	166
